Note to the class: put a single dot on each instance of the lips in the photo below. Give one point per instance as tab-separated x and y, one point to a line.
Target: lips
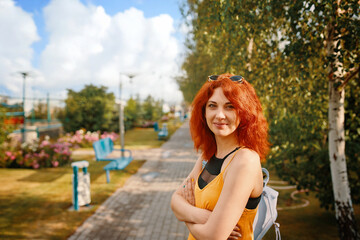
220	125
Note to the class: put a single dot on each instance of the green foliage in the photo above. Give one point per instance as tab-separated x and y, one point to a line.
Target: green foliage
132	112
35	155
151	109
137	113
40	111
3	127
148	109
91	108
352	137
305	161
278	46
197	68
94	109
58	113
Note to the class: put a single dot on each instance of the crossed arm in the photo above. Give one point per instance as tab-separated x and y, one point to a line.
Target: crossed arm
183	201
239	182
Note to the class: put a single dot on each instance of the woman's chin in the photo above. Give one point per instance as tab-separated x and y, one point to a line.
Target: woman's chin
222	133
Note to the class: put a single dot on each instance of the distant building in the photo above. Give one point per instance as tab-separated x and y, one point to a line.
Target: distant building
4	99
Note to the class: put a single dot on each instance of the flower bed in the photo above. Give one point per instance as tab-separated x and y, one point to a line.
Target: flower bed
35	155
86	139
47	154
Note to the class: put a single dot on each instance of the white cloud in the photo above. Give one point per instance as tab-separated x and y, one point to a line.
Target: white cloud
88	46
18	33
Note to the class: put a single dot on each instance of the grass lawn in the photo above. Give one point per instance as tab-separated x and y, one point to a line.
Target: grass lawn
145	138
35	204
142	138
311	222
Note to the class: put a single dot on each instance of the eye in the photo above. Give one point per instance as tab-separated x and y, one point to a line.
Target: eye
211	105
230	106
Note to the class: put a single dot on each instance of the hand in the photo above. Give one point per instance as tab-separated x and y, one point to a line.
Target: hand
235	234
188	191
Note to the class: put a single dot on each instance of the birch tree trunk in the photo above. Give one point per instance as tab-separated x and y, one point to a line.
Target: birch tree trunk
343	205
249	50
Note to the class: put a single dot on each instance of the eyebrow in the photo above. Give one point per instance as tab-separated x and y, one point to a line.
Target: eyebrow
216	102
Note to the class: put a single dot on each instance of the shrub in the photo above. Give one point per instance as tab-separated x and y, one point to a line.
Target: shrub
35	155
45	154
86	139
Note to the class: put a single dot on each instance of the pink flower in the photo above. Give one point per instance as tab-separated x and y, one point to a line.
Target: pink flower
44	143
55	163
8	153
36	165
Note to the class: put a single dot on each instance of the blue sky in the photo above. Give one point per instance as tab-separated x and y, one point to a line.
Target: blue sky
67	44
151	8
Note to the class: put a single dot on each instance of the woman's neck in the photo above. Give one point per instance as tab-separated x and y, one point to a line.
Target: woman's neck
225	145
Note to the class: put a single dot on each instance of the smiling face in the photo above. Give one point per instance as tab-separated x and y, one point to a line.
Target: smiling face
220	114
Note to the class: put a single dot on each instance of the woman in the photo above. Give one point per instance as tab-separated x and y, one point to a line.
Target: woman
228	127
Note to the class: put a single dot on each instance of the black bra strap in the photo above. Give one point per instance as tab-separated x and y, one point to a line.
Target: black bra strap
229	153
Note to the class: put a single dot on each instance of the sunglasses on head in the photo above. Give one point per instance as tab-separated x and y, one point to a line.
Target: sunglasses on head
236	78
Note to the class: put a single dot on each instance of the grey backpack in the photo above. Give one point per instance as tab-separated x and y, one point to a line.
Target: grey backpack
266	213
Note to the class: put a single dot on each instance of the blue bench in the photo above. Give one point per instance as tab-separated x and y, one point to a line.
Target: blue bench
163	133
156	127
103	148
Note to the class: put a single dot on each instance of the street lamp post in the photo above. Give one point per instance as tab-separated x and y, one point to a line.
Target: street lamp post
121	120
121	116
23	131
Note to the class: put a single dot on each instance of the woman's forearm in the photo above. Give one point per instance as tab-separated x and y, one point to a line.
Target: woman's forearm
186	212
198	231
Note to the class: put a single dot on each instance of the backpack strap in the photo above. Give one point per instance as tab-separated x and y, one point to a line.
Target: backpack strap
266	179
276	225
277	231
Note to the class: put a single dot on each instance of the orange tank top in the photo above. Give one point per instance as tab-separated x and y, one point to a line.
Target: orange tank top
207	198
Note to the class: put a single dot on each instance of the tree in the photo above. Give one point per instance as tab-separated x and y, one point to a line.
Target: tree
136	112
151	109
279	47
336	23
58	112
91	108
4	128
196	66
228	36
132	112
40	111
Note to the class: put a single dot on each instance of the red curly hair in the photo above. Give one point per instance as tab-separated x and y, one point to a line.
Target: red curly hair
252	131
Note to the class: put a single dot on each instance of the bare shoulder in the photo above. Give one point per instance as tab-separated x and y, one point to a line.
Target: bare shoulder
246	157
246	161
198	166
245	168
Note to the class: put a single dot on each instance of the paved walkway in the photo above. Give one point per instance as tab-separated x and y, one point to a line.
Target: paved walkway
141	209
